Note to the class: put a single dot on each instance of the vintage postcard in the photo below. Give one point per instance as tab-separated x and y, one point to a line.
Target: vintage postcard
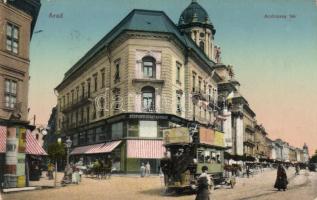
158	99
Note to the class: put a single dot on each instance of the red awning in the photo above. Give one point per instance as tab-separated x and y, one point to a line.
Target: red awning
32	145
152	149
3	139
96	148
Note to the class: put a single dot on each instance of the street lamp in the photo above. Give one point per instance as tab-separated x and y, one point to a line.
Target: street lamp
68	144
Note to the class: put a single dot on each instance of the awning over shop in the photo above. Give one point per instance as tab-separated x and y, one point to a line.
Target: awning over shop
145	149
32	145
96	148
3	138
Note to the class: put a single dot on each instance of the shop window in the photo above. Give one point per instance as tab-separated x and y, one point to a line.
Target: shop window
88	88
12	43
162	125
133	129
10	93
148	67
148	99
117	130
82	138
100	134
148	129
91	136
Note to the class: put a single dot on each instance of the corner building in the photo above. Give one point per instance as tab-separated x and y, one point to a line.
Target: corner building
137	80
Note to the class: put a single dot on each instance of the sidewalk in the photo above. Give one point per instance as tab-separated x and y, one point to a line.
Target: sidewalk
45	182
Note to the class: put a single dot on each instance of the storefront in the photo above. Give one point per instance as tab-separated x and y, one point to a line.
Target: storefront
16	145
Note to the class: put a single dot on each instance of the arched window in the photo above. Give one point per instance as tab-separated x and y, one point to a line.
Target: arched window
202	45
148	67
148	99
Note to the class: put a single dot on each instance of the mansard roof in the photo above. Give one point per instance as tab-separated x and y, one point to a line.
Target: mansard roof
142	21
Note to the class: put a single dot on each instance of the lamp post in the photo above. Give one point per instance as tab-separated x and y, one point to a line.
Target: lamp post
68	144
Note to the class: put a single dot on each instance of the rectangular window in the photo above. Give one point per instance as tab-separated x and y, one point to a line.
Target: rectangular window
209	94
117	72
178	103
100	134
133	129
148	69
10	93
102	107
96	82
103	78
82	90
116	100
82	138
72	99
75	139
117	130
88	113
178	72
91	136
12	43
199	85
194	82
88	88
94	112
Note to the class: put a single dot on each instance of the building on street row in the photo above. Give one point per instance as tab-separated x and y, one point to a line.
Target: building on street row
277	151
145	75
261	143
17	21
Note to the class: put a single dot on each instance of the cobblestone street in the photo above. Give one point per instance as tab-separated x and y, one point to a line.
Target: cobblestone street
260	186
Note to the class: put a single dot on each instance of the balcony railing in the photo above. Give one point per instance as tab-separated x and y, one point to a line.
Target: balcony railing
82	100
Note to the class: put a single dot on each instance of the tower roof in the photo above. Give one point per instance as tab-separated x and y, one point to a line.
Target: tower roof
195	15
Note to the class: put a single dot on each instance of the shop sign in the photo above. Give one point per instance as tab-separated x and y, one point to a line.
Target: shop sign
219	139
176	135
206	136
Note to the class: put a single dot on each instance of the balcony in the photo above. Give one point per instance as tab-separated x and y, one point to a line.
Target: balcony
148	80
249	142
84	99
250	129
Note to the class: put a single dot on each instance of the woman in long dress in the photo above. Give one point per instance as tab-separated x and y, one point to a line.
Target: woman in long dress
281	179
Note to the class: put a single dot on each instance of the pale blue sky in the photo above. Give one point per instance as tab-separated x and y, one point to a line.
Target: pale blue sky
274	59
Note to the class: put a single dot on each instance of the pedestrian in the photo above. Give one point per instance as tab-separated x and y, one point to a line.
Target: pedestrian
297	169
50	168
142	170
147	169
248	170
281	178
203	185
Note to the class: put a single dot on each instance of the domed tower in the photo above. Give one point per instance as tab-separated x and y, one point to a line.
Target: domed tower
195	22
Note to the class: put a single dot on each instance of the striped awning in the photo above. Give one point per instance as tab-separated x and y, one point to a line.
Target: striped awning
96	148
3	139
32	145
152	149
